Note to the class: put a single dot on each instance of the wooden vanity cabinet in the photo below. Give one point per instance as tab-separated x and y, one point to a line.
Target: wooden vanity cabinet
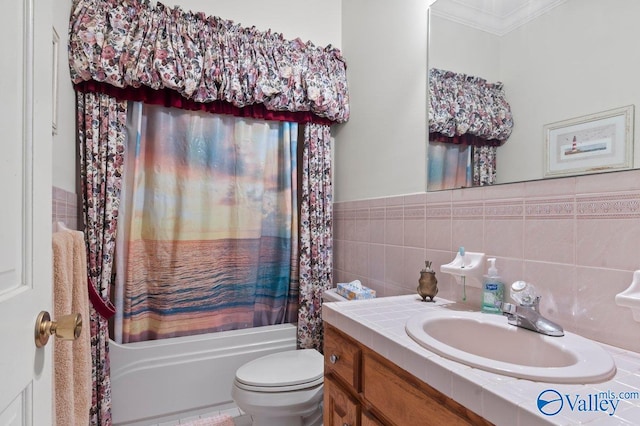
363	388
340	407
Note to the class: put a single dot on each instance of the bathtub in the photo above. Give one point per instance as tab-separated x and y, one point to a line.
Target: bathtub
169	379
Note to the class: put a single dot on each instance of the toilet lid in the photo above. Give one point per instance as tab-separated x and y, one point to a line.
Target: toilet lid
297	369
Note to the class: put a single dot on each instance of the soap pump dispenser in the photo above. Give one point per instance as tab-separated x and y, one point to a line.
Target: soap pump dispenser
492	289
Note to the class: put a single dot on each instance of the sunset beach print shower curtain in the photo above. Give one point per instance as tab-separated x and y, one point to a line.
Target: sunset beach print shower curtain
208	225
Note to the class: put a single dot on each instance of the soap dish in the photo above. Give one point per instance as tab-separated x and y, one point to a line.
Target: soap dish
630	298
468	265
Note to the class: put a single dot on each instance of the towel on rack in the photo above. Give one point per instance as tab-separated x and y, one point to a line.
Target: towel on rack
72	360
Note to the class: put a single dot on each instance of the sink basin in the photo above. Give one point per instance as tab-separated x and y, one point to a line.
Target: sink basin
488	342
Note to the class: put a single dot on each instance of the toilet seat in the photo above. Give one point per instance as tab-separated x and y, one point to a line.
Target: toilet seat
282	372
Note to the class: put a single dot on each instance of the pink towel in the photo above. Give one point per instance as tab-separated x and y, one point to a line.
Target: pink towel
220	420
72	360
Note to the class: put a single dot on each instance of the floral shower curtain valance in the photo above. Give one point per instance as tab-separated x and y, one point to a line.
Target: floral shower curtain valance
467	109
134	44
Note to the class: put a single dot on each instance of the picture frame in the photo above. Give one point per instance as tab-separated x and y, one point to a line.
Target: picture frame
590	144
54	83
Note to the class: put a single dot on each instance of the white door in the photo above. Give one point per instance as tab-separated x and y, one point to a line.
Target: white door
25	209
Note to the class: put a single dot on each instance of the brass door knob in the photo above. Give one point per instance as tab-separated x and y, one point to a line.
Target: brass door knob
67	327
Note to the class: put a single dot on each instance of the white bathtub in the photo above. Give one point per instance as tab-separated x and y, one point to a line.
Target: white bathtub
163	380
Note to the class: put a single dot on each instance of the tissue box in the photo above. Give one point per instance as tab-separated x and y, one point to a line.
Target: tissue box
355	291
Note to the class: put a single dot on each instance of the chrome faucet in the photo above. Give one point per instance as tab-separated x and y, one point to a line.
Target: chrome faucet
528	316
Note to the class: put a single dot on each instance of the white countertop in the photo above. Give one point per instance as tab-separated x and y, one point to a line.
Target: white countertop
379	325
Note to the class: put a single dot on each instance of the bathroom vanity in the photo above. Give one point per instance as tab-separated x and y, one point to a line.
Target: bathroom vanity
362	387
375	374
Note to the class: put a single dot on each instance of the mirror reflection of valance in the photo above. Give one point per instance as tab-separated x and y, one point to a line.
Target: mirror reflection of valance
466	108
127	46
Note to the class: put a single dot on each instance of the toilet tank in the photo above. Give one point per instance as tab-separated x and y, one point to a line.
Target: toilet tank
331	295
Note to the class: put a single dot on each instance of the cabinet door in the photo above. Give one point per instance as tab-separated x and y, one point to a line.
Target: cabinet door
369	421
403	400
340	409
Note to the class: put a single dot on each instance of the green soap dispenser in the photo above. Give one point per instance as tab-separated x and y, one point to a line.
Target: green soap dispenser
492	289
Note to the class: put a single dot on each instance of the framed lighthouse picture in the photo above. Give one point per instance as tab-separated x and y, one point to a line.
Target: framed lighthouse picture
590	144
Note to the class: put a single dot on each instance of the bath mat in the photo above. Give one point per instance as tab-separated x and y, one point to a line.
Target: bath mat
220	420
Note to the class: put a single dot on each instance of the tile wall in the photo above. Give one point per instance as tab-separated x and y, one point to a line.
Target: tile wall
65	208
576	239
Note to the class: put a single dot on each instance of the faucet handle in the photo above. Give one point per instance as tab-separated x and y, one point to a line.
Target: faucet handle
507	308
535	304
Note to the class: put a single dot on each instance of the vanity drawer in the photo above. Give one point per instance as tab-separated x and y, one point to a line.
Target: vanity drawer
342	357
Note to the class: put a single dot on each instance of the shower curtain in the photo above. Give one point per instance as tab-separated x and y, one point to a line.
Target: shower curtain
316	233
145	51
209	236
449	166
101	135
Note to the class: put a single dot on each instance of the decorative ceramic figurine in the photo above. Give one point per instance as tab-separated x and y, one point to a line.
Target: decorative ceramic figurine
428	283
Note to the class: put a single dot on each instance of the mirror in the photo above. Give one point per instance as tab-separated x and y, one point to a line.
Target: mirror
558	60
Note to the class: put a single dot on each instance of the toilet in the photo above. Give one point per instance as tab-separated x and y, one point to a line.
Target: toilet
282	389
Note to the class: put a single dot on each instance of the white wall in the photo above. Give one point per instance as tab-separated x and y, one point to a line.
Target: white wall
315	20
64	145
381	151
463	49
